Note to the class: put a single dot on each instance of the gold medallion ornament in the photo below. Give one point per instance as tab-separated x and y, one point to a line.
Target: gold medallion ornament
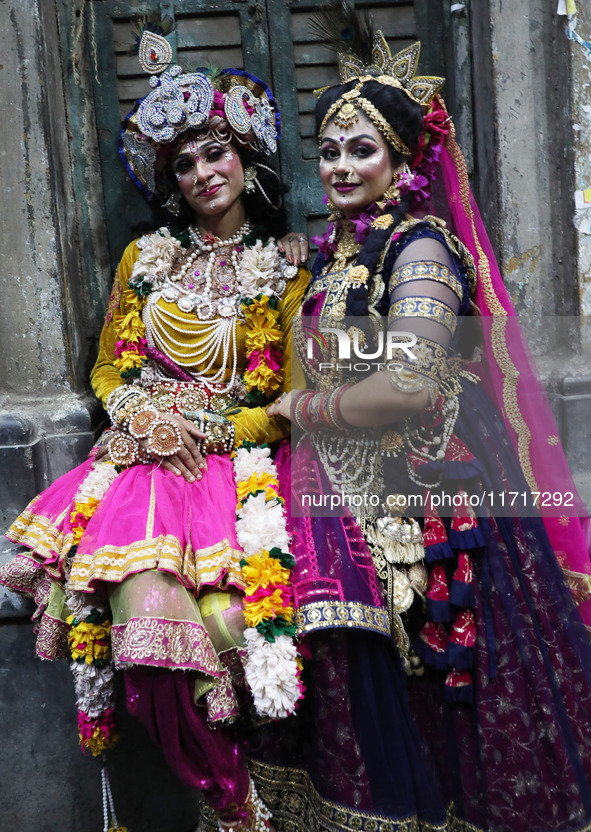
385	221
165	439
359	275
392	443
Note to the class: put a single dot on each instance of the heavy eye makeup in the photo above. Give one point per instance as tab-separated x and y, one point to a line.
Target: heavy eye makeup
359	149
186	161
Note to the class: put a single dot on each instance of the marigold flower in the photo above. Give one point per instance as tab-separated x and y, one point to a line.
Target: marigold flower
128	361
256	482
89	641
261	571
263	379
267	603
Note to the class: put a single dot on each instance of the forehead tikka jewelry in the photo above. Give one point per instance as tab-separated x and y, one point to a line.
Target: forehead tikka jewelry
346	113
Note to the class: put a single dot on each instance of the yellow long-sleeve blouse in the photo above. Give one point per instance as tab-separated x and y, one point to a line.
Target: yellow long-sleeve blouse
251	423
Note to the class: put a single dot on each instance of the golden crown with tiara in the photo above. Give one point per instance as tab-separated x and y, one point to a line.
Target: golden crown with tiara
392	70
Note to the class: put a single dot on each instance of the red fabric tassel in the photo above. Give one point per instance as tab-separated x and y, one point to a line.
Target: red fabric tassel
458	686
431	645
465	533
464	518
462	640
457	451
438	606
434	534
462	587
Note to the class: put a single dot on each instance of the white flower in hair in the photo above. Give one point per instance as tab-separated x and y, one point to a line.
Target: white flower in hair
260	270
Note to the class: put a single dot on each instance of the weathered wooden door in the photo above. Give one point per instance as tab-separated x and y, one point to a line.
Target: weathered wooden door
270	38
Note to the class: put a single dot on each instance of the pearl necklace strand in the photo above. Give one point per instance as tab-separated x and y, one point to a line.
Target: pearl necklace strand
215	336
220	335
202	303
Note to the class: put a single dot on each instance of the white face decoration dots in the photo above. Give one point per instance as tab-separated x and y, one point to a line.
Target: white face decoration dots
228	155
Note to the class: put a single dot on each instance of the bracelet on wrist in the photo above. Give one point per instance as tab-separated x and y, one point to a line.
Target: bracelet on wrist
125	402
321	411
219	431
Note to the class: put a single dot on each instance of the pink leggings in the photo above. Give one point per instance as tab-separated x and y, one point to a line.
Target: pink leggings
210	759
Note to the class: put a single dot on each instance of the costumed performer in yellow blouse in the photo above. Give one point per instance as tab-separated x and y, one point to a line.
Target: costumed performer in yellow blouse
168	549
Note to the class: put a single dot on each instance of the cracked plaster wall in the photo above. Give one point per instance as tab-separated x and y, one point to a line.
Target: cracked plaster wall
581	109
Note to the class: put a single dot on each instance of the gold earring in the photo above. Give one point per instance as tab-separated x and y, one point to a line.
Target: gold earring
334	211
250	175
392	194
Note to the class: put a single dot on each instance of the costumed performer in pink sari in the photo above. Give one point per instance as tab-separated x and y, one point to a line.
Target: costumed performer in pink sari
472	601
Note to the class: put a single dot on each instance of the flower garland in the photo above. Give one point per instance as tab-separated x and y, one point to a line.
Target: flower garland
273	667
90	629
261	283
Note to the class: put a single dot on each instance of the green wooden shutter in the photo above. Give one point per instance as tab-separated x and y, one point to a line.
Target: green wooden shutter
270	38
300	64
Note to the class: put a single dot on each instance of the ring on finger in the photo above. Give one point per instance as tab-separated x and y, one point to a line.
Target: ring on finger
302	239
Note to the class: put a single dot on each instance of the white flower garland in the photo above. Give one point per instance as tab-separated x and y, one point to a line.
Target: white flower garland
93	683
272	667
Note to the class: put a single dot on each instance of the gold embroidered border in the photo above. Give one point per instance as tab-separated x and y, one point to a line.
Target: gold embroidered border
499	325
297	807
39	534
579	583
52	638
456	246
322	614
421	307
426	270
177	645
115	563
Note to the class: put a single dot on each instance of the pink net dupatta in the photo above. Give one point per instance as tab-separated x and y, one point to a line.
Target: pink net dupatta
515	384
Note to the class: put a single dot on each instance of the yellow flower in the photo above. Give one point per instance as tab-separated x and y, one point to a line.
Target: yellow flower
128	361
256	482
85	640
262	570
269	607
262	378
130	327
87	508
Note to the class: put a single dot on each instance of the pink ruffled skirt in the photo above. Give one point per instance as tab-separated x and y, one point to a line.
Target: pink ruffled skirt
159	548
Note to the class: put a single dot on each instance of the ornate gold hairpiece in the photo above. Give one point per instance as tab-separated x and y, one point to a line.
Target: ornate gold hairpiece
345	114
394	70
